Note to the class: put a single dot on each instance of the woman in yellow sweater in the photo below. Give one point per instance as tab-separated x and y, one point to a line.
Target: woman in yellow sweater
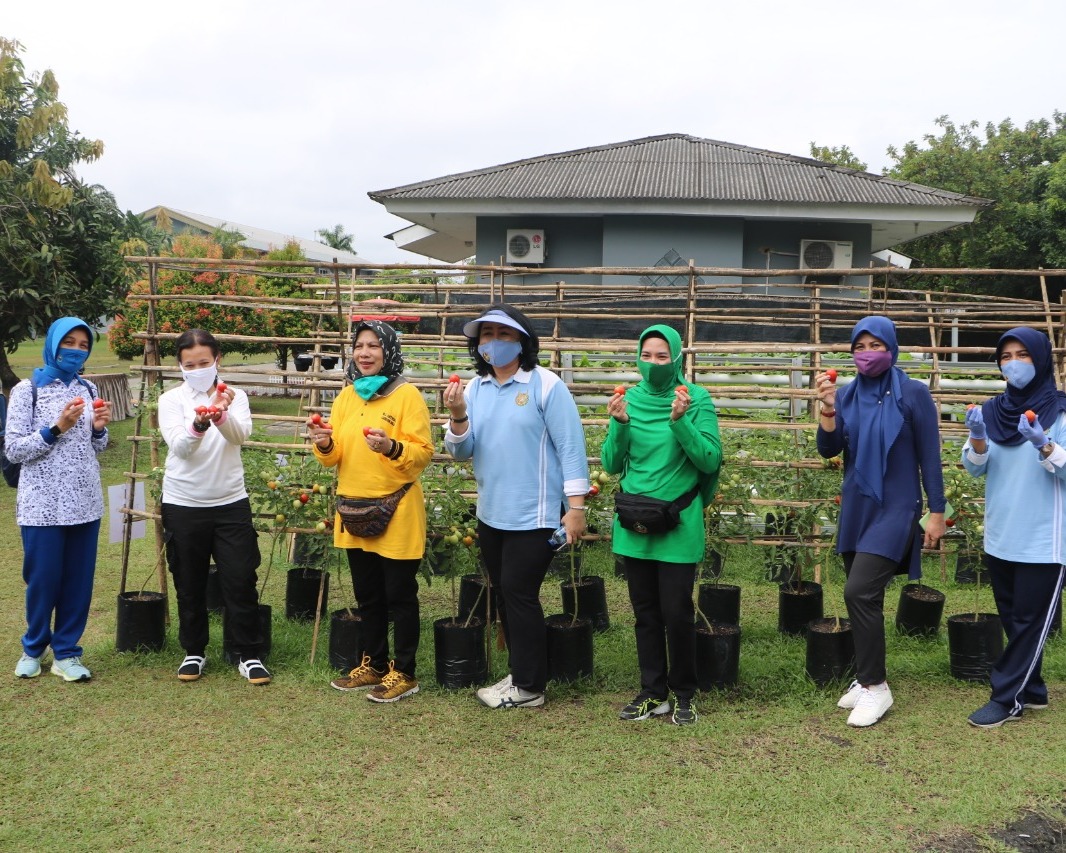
378	437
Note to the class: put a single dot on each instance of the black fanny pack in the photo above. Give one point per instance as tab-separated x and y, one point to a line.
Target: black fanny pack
642	514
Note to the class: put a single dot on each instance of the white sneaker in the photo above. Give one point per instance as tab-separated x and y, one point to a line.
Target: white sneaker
848	700
512	697
871	705
491	694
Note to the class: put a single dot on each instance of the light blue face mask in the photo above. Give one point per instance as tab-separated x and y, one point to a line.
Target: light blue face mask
1018	373
499	353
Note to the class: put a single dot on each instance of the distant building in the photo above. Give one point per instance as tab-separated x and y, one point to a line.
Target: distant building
258	239
663	200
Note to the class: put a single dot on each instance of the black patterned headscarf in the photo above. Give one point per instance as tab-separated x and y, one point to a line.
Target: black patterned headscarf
392	365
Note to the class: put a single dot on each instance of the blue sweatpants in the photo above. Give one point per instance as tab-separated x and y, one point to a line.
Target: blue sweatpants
1026	596
58	565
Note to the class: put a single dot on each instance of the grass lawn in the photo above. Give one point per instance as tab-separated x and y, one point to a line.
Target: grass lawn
137	760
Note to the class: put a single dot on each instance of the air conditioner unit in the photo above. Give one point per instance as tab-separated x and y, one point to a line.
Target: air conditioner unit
525	246
825	255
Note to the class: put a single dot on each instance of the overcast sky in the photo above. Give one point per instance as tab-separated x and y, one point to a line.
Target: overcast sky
285	115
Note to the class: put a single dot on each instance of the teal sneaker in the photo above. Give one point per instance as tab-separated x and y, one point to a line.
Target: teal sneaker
28	667
70	669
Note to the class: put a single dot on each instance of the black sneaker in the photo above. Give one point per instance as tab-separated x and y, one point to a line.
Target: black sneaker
191	668
684	712
643	707
254	671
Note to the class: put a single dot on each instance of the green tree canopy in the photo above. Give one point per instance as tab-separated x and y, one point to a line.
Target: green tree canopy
59	244
337	238
842	156
1021	169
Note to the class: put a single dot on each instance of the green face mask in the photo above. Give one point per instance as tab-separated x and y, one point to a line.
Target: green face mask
658	376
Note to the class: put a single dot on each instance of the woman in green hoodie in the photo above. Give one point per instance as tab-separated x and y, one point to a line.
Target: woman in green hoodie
663	439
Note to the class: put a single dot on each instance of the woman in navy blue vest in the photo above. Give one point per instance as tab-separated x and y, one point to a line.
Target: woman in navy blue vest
886	425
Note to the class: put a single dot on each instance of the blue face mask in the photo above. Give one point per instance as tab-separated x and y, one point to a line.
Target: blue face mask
1018	373
500	353
71	360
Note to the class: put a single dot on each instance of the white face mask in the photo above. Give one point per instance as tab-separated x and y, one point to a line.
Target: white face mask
202	378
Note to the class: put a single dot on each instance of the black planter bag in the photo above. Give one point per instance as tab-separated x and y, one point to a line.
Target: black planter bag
642	514
367	517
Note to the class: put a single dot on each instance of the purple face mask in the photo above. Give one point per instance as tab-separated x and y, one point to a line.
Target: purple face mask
872	363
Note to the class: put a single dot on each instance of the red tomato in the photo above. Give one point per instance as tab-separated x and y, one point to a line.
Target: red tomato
98	404
316	419
836	500
832	375
455	378
201	410
620	390
971	406
77	401
681	388
949	522
304	498
595	490
221	387
1030	415
213	410
366	430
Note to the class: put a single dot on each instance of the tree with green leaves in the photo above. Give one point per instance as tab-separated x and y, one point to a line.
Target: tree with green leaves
1021	169
842	156
337	238
60	238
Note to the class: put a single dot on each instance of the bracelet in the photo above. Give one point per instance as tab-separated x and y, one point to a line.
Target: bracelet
461	420
577	508
832	413
327	449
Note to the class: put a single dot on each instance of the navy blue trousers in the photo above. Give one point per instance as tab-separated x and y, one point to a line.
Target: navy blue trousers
517	561
58	565
1026	597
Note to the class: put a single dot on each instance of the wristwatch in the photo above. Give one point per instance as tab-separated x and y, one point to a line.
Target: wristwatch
1047	449
55	430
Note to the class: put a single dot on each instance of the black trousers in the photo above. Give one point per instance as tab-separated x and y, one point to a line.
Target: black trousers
1026	597
193	536
517	561
864	595
384	586
661	595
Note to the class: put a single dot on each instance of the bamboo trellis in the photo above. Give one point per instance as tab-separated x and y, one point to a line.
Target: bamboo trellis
740	306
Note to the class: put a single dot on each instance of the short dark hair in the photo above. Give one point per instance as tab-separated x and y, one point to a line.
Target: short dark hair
527	360
196	338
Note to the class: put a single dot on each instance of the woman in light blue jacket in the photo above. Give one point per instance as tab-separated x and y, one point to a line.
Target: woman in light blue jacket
1024	464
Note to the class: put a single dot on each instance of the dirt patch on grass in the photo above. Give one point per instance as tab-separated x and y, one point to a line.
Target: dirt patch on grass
1032	832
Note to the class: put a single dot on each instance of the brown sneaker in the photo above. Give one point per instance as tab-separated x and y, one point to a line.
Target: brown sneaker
394	686
360	678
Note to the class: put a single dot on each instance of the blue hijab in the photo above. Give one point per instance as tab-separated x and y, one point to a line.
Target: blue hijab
870	409
1002	412
53	369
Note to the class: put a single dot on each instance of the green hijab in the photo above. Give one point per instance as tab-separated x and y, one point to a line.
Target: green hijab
651	399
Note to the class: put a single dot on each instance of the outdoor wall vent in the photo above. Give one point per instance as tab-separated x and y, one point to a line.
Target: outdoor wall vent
825	255
525	246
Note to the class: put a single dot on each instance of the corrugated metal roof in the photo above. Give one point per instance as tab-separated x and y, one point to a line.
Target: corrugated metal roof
677	167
